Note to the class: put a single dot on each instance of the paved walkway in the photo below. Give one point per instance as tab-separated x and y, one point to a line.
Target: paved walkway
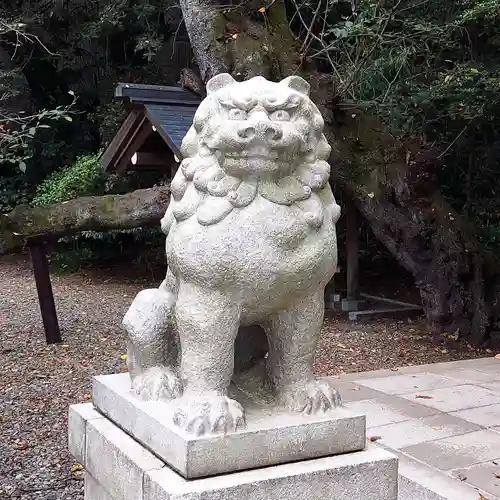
443	421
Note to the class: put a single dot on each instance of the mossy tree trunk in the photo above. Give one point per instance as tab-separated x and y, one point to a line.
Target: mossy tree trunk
143	207
392	183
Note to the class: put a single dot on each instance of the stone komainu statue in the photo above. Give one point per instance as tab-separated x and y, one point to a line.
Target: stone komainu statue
250	241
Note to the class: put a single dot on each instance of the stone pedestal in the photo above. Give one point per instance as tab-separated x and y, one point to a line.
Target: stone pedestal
120	468
270	437
131	451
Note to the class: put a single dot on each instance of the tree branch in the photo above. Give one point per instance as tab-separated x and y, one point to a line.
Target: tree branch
144	207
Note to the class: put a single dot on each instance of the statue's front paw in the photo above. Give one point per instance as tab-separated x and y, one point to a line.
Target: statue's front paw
204	415
157	383
313	396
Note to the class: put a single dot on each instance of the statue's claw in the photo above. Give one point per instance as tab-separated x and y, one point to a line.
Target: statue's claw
314	396
216	414
157	383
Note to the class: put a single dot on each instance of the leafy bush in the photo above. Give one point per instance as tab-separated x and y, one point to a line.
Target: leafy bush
83	178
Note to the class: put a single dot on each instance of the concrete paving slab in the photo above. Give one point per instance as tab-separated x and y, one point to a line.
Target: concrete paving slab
494	386
458	451
418	481
420	430
351	391
408	383
489	363
389	409
470	375
485	476
486	416
451	399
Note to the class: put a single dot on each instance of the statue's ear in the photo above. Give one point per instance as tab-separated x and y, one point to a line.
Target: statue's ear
297	83
218	82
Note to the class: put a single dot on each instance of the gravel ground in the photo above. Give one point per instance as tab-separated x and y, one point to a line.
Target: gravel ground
39	382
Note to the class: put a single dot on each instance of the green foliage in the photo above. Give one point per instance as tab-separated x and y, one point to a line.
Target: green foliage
83	178
431	70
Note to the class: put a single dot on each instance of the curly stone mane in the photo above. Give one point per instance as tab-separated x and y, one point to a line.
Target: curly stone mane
205	187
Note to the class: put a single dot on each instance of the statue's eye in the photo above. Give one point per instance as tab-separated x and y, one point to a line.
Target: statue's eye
280	116
237	114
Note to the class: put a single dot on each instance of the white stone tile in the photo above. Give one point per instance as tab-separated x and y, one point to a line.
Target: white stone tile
351	391
494	386
487	416
402	384
364	475
390	409
418	481
483	476
456	398
458	451
117	461
470	375
420	430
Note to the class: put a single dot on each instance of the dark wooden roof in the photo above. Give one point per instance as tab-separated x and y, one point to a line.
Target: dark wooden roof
159	119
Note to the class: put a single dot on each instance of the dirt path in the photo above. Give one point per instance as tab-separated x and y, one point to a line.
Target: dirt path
38	383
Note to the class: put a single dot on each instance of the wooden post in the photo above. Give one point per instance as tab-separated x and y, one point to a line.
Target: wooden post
352	244
44	289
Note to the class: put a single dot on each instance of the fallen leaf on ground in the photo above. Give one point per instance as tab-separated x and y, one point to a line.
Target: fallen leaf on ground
76	467
374	438
422	396
123	356
22	444
461	477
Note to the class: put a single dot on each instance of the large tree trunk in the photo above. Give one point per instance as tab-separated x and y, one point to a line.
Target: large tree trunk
392	183
144	207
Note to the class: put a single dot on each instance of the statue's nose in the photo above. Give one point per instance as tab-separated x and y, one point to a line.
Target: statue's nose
264	129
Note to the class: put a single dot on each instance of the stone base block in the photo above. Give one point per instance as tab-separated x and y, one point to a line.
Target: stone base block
93	490
349	305
270	438
119	468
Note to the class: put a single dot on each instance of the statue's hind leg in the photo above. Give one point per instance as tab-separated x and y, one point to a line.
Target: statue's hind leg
293	335
152	342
